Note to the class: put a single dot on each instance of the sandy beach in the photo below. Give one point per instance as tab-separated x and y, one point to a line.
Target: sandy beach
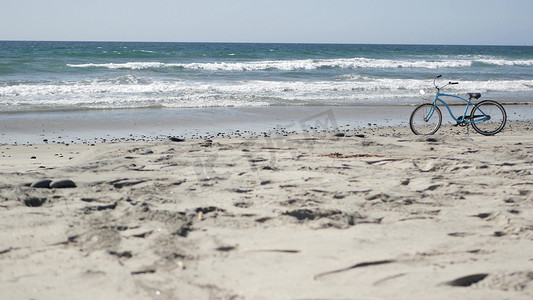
362	214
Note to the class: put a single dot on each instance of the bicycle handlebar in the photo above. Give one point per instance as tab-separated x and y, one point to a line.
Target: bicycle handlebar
437	87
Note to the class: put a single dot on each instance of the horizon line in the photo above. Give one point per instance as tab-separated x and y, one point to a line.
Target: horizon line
250	42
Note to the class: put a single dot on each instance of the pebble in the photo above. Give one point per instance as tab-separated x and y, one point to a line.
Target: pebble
61	184
175	139
34	201
41	184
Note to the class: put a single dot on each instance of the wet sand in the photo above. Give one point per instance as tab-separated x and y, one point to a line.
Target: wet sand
97	126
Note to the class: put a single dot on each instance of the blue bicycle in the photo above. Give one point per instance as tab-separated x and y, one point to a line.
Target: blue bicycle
488	117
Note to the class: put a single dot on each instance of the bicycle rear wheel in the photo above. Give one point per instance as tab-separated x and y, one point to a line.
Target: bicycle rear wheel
488	117
425	119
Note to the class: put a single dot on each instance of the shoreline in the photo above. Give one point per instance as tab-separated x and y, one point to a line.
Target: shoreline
371	213
159	124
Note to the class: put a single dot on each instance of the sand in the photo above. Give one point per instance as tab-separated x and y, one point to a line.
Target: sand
367	214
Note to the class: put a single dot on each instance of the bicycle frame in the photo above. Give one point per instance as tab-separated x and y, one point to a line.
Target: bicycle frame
461	119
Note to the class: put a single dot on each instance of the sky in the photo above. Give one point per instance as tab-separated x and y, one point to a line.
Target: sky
465	22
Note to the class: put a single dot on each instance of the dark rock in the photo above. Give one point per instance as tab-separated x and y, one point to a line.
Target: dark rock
175	139
62	184
34	201
41	184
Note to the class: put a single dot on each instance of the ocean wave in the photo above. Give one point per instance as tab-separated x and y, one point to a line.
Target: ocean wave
129	65
129	91
286	65
504	62
311	64
133	85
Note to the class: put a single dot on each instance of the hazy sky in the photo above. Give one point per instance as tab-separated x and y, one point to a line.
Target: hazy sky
494	22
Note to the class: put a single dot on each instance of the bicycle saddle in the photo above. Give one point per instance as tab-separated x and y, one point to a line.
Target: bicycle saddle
474	95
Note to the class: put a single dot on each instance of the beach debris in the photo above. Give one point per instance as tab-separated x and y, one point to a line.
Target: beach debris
467	280
389	278
383	160
44	183
406	182
307	214
482	215
359	265
88	209
62	184
143	271
333	217
125	254
208	209
226	248
428	167
4	251
340	155
289	251
262	220
243	204
382	196
120	183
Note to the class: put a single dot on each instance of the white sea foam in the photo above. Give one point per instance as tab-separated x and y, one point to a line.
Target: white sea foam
129	65
130	91
287	65
503	62
313	64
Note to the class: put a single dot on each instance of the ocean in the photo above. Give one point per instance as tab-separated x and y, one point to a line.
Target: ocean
52	76
103	90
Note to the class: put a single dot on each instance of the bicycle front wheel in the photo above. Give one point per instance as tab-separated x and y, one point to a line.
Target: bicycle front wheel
488	117
425	119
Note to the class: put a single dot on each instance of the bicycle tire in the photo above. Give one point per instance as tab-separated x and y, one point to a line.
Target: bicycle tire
418	123
495	122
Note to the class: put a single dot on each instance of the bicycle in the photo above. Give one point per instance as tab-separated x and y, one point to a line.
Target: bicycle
488	117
